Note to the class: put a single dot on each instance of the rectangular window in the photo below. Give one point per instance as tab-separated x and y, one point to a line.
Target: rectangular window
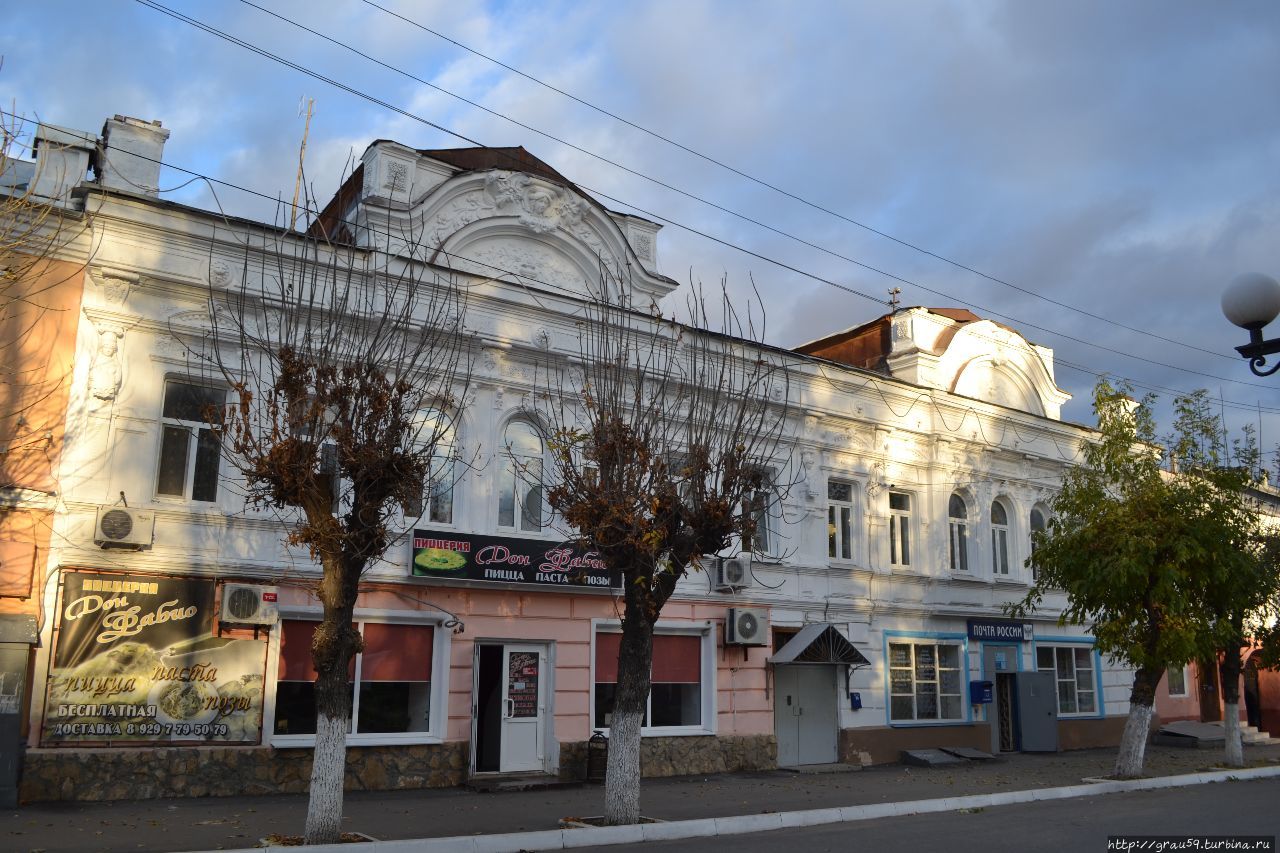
190	449
899	529
839	520
675	693
1073	668
925	681
1177	681
757	507
390	679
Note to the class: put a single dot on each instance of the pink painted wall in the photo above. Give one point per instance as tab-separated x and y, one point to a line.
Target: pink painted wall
742	702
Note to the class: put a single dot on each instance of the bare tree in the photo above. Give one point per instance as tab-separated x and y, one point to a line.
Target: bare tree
666	442
347	367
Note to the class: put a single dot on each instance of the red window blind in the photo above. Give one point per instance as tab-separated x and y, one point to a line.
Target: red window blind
677	659
295	651
607	657
396	652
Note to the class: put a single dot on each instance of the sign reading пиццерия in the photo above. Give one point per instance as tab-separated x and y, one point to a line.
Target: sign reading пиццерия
506	559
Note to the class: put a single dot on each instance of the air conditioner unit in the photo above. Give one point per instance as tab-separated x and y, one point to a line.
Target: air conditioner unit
122	527
747	626
249	604
733	572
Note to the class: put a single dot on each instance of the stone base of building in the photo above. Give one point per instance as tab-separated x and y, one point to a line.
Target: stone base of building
142	773
685	756
885	744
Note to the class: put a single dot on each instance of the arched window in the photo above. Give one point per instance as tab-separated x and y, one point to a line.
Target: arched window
520	478
958	525
437	504
999	539
1037	525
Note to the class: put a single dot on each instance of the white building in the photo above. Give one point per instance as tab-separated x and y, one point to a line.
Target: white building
930	444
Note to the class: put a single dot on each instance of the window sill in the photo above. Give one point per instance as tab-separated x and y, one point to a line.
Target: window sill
386	739
663	731
918	724
1008	580
966	577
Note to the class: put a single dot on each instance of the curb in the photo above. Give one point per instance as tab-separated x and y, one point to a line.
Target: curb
568	839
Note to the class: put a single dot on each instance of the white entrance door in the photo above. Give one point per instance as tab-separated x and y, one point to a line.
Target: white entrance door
523	707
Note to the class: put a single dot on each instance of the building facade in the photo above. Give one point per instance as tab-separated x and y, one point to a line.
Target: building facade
865	618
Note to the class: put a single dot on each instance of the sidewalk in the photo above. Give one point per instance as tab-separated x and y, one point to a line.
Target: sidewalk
239	822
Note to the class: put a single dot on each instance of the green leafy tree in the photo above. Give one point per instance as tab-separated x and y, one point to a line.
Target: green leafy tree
1237	591
1134	546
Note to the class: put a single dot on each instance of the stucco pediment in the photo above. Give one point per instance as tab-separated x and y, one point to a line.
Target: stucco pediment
989	362
521	228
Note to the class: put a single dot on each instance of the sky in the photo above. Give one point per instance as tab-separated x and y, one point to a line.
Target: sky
1092	174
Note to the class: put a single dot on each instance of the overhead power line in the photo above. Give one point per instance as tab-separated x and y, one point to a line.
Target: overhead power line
740	173
407	114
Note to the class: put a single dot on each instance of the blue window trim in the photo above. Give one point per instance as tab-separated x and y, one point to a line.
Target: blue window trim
963	641
1097	670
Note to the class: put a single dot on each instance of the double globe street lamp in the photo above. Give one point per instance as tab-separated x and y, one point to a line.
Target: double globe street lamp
1251	301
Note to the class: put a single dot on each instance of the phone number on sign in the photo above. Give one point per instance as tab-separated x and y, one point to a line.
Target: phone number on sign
176	729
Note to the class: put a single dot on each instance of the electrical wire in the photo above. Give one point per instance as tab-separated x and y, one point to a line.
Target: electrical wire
753	179
379	102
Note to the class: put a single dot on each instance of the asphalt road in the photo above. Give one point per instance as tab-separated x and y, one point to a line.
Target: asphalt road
1079	825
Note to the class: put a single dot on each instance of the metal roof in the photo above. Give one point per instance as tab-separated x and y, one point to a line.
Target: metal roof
819	642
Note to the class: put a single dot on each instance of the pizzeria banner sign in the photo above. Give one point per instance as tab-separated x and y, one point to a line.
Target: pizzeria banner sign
137	660
502	559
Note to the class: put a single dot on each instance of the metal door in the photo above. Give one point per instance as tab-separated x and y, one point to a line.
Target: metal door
523	707
804	714
995	661
1038	711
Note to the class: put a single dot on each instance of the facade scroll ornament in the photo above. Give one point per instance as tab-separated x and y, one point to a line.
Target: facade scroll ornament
114	285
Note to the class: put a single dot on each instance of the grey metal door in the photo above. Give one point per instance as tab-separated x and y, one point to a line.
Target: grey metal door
804	714
1038	711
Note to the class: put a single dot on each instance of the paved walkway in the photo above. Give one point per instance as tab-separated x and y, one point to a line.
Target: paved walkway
239	822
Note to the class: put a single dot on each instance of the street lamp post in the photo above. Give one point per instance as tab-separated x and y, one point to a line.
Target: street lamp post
1251	301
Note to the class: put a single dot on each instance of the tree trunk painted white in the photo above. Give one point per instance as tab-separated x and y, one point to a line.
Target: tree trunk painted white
622	774
1231	726
328	767
1133	743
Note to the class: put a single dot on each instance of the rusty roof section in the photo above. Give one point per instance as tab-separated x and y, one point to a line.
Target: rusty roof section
868	345
515	159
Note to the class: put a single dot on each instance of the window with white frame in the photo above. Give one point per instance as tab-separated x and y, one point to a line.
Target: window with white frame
436	505
390	679
958	530
839	520
1177	677
1073	667
1036	525
677	691
758	506
190	449
925	681
520	478
999	539
899	529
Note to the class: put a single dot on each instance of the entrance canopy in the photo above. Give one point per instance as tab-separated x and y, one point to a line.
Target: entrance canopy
819	642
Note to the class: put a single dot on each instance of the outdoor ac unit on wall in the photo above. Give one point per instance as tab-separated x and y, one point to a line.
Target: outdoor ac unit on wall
249	604
747	626
122	527
733	572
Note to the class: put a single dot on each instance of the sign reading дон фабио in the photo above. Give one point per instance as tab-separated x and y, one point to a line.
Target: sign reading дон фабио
1000	630
506	559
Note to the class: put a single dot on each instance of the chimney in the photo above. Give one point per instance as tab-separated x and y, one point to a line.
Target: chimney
62	161
131	153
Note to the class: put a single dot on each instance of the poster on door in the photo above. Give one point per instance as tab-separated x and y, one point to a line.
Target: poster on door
137	660
522	684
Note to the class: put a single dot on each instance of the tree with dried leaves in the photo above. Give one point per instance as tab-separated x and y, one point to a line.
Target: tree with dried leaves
347	367
666	450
